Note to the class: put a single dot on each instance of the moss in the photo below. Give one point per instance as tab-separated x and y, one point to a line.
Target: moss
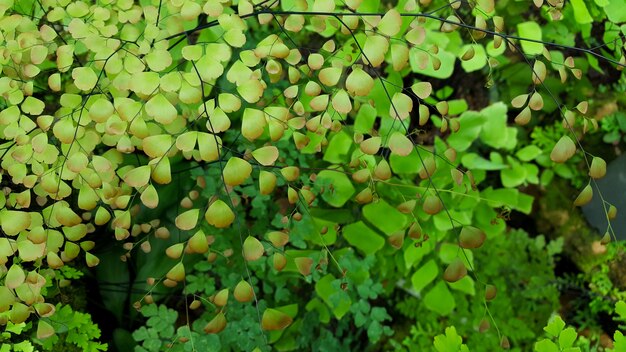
557	217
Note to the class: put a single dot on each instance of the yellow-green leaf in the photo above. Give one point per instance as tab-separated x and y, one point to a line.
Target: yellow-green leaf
219	214
563	150
252	249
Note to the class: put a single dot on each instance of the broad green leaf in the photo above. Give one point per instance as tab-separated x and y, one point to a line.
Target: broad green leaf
33	106
363	238
563	150
486	6
615	11
338	148
425	275
447	64
567	337
385	217
449	252
337	300
528	153
513	176
252	249
235	37
530	30
471	125
359	83
495	131
546	345
187	220
251	90
620	309
555	326
208	146
474	161
439	299
450	342
401	106
157	145
409	164
465	285
422	89
478	61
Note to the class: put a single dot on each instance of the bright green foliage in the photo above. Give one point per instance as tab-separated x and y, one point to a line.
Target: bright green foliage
333	163
450	342
559	339
158	330
614	127
73	329
525	299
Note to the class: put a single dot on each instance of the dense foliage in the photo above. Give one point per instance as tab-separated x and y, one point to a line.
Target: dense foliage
239	175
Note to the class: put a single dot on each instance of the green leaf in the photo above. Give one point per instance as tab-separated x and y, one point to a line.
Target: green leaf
478	61
555	326
471	125
447	64
159	108
620	341
385	217
513	176
528	153
581	14
409	164
530	30
33	106
326	292
495	132
450	342
424	275
363	238
546	345
567	338
338	148
448	252
465	285
341	190
511	198
439	299
615	11
476	162
413	254
620	309
84	78
364	120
